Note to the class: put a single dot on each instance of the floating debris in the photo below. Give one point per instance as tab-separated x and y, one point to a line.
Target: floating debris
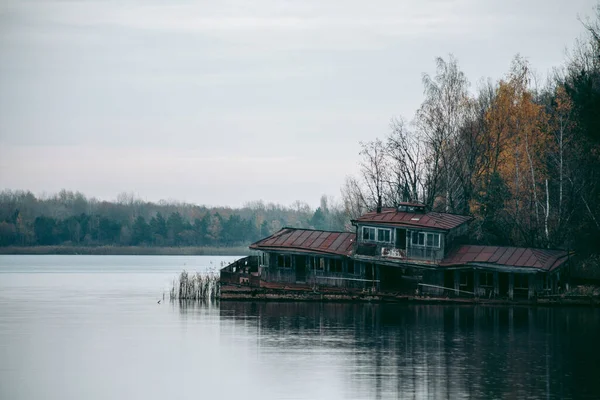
198	286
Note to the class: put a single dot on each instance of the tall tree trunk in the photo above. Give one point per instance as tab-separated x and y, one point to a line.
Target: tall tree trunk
533	185
560	173
547	215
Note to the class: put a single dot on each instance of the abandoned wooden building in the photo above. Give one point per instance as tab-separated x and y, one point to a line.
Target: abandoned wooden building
407	250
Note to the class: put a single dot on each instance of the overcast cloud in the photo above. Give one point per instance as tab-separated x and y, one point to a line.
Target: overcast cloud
224	102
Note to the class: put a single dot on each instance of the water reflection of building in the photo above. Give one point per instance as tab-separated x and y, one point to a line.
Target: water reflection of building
401	250
429	351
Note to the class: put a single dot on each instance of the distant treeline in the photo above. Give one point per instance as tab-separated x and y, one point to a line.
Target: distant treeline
70	219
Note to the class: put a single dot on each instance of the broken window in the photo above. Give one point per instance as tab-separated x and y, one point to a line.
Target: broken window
521	281
464	279
486	279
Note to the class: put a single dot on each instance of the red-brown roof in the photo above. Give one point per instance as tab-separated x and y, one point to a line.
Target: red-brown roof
308	240
506	256
433	220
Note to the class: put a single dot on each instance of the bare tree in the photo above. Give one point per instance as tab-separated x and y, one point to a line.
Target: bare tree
405	153
440	118
374	169
355	203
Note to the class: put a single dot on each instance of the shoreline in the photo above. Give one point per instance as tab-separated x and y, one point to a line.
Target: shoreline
234	293
125	250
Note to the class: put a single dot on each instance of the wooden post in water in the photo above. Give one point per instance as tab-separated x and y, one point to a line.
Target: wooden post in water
496	284
531	284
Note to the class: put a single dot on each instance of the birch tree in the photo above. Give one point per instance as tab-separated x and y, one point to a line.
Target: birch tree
440	118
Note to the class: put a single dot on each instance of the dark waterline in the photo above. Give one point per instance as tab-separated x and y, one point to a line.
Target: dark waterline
90	327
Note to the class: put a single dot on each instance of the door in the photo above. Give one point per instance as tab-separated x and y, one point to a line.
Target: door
401	238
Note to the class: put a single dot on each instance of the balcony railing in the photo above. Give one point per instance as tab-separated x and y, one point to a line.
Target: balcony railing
412	253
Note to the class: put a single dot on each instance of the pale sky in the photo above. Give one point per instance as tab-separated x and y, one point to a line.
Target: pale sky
224	102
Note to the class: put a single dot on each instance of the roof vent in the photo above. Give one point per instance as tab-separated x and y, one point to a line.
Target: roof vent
415	219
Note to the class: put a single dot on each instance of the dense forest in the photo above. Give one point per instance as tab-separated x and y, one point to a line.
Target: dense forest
521	157
71	219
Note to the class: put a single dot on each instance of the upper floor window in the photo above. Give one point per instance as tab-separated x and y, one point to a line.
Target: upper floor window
433	239
377	234
384	235
368	233
425	239
418	238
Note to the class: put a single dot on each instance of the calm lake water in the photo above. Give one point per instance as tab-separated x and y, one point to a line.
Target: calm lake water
89	327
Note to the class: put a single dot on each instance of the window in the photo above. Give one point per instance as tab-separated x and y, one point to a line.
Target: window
321	264
384	235
418	238
433	239
426	239
547	283
464	279
284	261
368	233
335	265
486	279
521	281
350	264
371	234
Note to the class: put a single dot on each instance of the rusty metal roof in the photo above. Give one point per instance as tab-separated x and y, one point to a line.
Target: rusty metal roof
546	260
432	220
308	241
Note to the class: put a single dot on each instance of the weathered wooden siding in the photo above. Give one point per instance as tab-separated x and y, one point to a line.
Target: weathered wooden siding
411	251
273	272
465	281
433	277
